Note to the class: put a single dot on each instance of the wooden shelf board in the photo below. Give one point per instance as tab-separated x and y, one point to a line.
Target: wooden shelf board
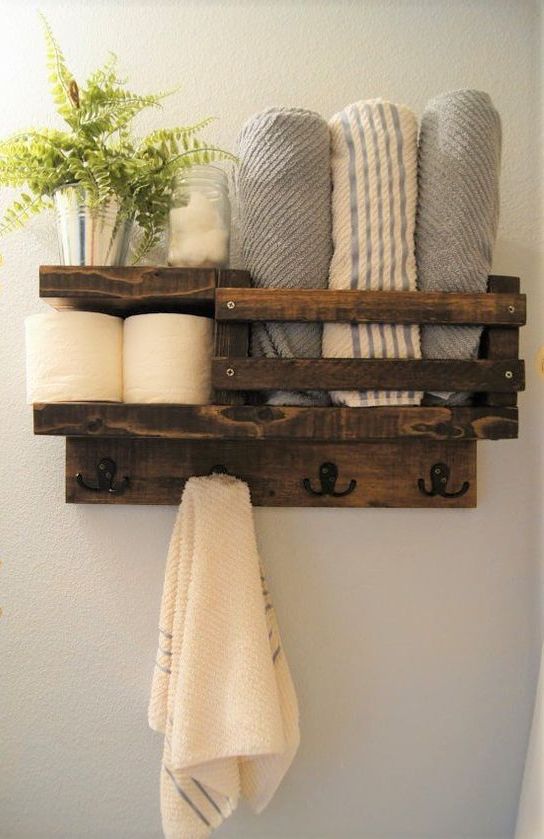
264	422
123	290
327	305
386	473
363	374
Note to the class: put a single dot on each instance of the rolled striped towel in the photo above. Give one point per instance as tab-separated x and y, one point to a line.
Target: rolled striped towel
374	174
284	195
458	211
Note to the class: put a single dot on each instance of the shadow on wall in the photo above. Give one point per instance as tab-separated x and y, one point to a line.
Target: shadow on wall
511	258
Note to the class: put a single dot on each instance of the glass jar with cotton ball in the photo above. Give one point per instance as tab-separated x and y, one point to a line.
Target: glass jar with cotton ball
199	229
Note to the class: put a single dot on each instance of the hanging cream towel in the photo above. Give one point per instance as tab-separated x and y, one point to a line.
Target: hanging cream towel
374	180
222	692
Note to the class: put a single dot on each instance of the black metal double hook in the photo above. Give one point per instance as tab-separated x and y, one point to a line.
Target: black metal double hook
105	476
440	475
328	475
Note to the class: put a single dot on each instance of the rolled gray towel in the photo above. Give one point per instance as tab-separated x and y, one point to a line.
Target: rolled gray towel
458	211
284	207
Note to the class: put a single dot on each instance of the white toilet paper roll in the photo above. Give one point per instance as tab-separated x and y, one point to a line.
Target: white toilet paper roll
74	357
167	358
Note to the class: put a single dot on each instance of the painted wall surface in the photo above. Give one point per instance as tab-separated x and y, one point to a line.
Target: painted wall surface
413	636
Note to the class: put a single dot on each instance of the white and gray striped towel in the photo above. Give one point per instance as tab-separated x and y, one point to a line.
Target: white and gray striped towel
374	174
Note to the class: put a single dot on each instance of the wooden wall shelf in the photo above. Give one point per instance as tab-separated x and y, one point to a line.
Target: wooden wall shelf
290	456
265	422
134	290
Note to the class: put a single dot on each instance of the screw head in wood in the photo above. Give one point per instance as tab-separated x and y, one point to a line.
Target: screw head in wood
508	374
231	304
511	309
230	371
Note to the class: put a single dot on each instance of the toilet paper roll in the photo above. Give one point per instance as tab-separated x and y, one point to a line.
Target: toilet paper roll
74	357
167	358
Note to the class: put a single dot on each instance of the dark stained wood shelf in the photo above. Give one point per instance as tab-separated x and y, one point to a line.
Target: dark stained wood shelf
123	290
254	304
265	422
364	374
420	456
387	474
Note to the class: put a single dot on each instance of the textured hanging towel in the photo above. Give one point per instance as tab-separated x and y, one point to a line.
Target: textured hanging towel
284	197
222	693
458	211
374	175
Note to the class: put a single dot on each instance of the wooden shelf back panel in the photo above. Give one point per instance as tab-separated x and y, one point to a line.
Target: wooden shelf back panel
386	473
363	374
123	290
369	306
264	422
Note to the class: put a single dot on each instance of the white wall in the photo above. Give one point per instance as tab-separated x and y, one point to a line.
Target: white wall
412	635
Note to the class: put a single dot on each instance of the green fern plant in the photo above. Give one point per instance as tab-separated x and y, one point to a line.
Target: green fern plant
99	152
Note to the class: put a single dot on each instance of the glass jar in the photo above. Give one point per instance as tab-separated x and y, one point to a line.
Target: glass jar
199	229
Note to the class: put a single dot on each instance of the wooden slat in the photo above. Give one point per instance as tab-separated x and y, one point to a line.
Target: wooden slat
231	339
123	290
386	473
364	374
266	422
499	343
369	306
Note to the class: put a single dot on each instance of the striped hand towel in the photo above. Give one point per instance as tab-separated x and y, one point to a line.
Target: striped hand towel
284	197
222	693
374	163
458	211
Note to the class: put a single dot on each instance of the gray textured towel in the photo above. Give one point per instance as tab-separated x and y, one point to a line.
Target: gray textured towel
284	206
458	209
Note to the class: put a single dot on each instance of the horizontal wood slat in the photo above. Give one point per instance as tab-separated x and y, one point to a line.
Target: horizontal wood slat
386	473
124	290
369	306
363	374
266	422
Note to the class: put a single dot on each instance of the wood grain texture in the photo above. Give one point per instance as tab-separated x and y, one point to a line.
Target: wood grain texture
499	343
386	473
305	305
363	374
266	422
124	290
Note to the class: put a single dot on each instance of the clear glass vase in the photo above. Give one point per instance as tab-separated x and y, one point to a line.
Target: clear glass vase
90	235
199	229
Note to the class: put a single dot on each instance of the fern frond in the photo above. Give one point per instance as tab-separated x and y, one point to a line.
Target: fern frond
21	210
200	156
60	77
150	238
174	137
106	76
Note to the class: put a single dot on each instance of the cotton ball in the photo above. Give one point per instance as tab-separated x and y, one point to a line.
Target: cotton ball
199	214
217	245
192	250
197	234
